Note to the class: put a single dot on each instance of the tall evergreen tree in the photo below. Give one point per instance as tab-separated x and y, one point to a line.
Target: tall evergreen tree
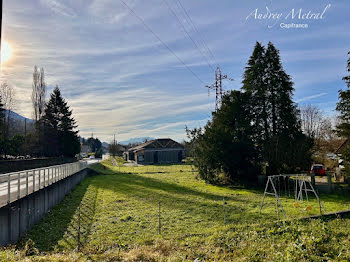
225	146
258	126
343	106
61	139
280	91
275	115
284	122
254	85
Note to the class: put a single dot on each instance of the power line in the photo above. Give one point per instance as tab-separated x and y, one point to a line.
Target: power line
160	40
188	34
197	31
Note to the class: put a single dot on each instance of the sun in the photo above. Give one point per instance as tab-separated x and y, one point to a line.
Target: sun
6	52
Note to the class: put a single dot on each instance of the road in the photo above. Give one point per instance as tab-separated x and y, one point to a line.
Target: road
92	161
47	176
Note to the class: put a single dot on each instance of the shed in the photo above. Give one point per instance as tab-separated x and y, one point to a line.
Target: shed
158	151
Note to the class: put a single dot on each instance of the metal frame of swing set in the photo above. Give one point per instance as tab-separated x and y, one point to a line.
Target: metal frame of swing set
300	186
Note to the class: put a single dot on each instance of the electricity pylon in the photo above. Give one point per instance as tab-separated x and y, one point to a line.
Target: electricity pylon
217	86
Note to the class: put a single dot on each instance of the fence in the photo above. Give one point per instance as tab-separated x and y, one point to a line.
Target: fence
16	185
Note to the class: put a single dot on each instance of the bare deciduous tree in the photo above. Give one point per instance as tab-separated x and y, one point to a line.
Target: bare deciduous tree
113	148
8	99
38	93
312	121
7	95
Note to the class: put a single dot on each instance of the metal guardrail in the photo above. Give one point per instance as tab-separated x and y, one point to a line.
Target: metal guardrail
16	185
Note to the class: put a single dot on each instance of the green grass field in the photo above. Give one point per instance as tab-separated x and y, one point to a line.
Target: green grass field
119	220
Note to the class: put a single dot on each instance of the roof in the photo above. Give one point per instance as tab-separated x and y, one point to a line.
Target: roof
158	143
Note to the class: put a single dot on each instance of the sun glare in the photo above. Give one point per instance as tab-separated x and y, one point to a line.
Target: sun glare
6	52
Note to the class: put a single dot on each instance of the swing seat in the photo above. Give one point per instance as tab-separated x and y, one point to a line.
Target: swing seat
296	204
308	208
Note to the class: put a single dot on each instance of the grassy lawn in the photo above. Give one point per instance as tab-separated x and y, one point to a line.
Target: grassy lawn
119	220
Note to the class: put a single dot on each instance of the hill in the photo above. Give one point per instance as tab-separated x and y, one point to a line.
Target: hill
18	117
20	124
135	140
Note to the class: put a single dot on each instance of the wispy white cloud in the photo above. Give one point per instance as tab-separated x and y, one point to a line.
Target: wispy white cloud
307	98
117	77
59	8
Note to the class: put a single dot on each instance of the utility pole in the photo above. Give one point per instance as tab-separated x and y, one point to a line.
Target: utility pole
217	86
25	136
114	147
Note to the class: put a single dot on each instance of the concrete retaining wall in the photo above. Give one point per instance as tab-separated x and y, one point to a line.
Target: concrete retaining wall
18	217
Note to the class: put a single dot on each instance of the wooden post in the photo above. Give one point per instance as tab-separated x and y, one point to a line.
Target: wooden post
79	227
223	208
313	180
329	182
159	222
319	203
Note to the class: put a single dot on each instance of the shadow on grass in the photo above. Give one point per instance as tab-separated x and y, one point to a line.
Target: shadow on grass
59	228
130	180
159	190
61	222
184	198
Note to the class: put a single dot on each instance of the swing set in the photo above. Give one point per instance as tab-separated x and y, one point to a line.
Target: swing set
297	183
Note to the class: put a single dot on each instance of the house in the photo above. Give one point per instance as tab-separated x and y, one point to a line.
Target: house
158	151
85	150
339	152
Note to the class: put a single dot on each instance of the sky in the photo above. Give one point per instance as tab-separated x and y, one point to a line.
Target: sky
143	76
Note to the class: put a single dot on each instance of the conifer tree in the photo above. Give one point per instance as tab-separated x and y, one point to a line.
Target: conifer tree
274	114
254	85
343	106
280	91
61	139
284	124
224	145
256	127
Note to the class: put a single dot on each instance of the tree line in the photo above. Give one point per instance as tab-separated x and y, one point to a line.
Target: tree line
259	129
53	133
94	145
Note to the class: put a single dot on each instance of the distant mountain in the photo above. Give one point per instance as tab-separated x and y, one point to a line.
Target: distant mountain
18	125
135	140
16	116
105	144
